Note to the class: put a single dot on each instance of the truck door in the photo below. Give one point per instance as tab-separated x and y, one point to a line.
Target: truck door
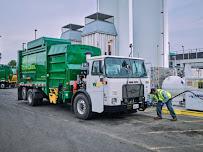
95	86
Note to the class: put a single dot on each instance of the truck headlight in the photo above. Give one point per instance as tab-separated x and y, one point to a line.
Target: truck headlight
114	101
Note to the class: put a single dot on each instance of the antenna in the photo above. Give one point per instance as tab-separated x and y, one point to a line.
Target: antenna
97	5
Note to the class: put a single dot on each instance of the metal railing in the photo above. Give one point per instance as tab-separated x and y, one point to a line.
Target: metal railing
188	54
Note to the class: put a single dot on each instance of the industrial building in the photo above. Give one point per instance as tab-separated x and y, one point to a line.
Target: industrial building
126	28
100	31
142	24
72	32
186	56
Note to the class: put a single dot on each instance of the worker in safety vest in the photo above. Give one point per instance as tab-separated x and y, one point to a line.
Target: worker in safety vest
162	97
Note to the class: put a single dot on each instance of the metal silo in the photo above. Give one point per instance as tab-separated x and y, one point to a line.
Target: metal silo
99	31
142	23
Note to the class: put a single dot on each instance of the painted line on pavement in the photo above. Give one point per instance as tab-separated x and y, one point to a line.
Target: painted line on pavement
184	112
175	147
173	131
192	121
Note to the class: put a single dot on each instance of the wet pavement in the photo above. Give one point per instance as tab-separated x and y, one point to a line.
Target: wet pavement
54	128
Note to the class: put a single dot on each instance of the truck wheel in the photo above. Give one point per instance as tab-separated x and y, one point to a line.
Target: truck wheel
31	99
2	86
82	107
38	97
132	111
20	93
24	93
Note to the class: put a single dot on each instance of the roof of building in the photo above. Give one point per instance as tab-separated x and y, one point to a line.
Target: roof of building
73	26
99	16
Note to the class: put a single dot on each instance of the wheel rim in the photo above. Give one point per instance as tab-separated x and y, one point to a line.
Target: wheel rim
29	98
23	93
81	107
2	85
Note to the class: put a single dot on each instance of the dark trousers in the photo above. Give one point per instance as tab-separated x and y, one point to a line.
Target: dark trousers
169	106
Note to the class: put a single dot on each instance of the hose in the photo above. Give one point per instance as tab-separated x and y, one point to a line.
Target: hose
149	104
185	92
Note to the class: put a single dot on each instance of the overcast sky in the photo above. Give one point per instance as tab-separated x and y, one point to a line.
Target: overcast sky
19	18
185	24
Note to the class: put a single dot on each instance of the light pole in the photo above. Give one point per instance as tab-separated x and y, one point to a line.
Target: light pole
183	51
23	46
97	6
157	54
35	34
163	33
169	46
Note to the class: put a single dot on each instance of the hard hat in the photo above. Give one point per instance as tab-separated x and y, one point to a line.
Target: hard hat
153	90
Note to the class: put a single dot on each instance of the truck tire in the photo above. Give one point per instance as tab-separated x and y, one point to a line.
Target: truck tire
20	93
24	93
82	107
38	96
132	111
2	86
31	99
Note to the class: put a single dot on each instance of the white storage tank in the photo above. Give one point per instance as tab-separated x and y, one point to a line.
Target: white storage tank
174	84
99	31
144	23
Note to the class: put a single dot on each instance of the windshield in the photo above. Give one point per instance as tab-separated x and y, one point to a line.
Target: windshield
124	68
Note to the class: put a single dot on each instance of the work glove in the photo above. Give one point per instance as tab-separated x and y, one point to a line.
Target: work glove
150	101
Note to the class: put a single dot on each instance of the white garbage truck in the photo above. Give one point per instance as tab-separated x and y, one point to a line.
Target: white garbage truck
110	84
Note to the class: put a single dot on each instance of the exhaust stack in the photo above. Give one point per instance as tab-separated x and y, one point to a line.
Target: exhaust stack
88	55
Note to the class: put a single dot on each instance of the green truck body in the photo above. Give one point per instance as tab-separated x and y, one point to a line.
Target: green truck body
50	63
5	75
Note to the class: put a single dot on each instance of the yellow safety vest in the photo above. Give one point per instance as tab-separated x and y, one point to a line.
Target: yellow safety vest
159	97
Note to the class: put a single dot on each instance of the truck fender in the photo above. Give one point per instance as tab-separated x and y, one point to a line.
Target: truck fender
85	93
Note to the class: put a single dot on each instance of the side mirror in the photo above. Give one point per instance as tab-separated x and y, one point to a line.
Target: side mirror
101	78
85	68
100	67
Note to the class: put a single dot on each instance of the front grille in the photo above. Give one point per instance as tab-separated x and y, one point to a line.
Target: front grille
132	91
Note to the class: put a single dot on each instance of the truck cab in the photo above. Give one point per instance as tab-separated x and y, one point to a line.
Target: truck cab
111	84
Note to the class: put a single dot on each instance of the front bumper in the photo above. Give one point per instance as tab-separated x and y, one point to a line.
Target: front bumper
125	107
118	108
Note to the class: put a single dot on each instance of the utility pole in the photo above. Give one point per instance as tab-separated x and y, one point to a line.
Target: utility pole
163	32
35	34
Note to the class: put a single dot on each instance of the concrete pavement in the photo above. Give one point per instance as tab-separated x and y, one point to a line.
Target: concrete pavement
48	128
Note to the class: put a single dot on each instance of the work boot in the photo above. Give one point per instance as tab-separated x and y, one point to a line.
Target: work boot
157	118
174	119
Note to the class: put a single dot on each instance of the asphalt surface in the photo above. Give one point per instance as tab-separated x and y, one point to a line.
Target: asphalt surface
51	128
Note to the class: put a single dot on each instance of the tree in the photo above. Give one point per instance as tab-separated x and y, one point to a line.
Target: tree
12	63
